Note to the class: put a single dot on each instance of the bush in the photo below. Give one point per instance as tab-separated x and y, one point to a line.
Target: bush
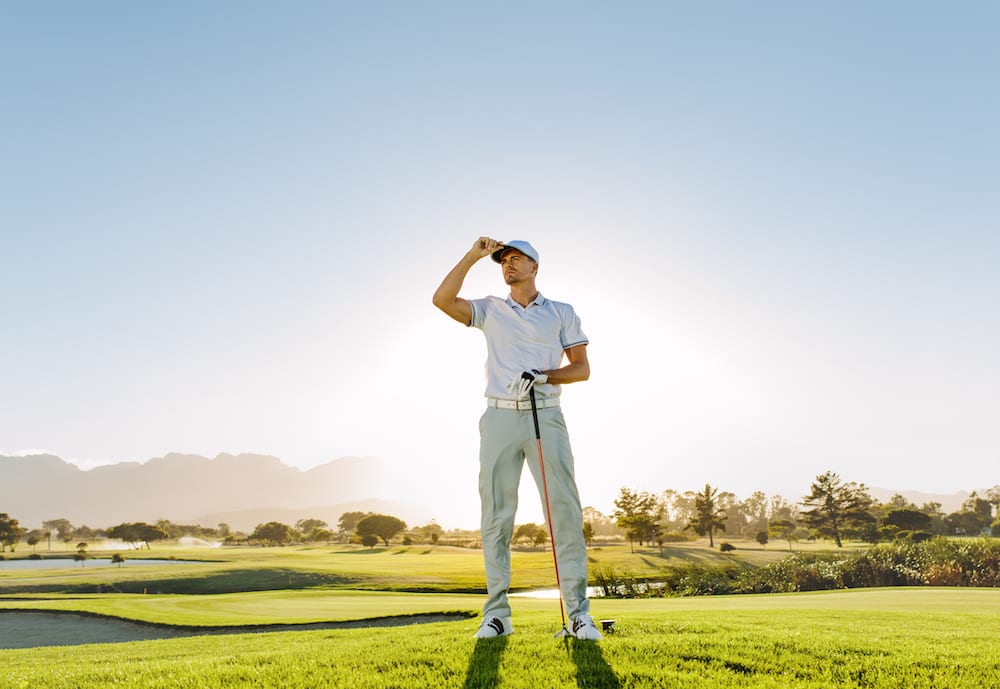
674	537
910	561
36	556
612	585
726	547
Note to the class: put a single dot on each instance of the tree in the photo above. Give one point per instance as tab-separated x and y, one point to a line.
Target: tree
993	497
35	537
274	533
906	519
835	506
677	509
62	528
754	511
81	553
934	511
349	521
975	515
118	559
136	533
708	518
783	529
324	535
85	532
761	537
526	531
541	537
588	533
308	527
369	540
974	503
382	525
11	532
637	515
602	524
429	532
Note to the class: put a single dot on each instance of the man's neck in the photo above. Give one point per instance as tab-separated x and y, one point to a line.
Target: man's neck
524	292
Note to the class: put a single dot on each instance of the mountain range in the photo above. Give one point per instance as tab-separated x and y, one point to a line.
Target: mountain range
241	490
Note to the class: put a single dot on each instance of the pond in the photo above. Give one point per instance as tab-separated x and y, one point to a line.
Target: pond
28	629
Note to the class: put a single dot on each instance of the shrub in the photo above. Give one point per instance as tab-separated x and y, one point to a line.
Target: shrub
909	561
726	547
674	537
612	585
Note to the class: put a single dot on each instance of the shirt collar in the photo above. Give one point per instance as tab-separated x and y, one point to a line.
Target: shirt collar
539	300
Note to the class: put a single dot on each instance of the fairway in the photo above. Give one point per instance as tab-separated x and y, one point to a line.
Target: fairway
919	638
304	617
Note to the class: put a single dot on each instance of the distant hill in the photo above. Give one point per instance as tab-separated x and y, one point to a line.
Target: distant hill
241	490
950	502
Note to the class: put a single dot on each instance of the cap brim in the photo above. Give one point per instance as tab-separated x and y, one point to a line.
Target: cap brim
496	255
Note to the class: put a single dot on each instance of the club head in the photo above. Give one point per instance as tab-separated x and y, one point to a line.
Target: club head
562	634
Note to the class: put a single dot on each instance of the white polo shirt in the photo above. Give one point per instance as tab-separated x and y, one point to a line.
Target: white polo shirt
520	339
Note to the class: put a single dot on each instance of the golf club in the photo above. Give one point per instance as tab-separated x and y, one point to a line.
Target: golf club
564	632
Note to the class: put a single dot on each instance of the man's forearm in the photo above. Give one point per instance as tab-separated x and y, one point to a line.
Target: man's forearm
573	372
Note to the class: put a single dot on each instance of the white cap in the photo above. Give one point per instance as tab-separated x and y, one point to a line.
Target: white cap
517	245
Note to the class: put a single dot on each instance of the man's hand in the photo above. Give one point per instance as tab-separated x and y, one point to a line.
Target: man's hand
524	382
484	246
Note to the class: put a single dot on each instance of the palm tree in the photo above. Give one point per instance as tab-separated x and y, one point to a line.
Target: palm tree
708	518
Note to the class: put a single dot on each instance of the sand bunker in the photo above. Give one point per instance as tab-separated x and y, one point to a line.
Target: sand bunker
28	629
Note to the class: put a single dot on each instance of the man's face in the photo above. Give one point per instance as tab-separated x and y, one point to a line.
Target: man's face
516	267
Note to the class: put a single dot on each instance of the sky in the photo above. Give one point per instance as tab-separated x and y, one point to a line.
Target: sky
221	225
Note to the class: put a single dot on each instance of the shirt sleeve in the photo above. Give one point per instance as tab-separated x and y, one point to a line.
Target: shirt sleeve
478	313
571	333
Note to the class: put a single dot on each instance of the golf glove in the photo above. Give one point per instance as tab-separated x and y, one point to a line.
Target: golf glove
524	382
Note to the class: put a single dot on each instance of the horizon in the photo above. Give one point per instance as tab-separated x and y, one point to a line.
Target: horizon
466	517
777	223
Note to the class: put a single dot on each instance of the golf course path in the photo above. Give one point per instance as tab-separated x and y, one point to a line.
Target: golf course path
29	629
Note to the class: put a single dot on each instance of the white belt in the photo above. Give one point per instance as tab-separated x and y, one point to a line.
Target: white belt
522	405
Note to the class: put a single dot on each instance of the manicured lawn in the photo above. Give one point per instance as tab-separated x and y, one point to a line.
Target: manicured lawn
882	638
406	568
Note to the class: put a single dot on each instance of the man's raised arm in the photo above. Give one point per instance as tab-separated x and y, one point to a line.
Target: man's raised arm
446	296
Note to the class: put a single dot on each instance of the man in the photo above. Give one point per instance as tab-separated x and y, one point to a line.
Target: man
527	337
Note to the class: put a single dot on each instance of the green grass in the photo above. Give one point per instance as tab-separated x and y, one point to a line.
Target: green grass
251	608
890	638
880	638
398	568
414	568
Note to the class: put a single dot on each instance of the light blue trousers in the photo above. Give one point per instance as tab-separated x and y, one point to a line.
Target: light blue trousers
507	439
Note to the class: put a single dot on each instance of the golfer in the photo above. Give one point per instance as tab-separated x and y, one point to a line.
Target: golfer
527	337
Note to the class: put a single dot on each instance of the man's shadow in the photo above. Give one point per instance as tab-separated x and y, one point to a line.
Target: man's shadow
592	670
484	664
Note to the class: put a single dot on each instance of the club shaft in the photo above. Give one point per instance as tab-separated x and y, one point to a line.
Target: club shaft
548	510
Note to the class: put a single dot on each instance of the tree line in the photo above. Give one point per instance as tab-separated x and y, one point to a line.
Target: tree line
833	509
364	528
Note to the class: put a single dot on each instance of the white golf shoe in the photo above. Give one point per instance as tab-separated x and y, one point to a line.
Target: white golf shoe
584	628
494	626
